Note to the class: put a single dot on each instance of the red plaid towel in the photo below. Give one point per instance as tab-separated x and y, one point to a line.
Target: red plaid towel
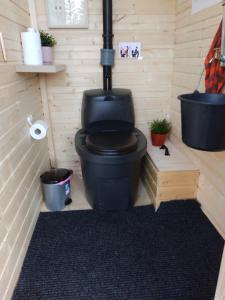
215	74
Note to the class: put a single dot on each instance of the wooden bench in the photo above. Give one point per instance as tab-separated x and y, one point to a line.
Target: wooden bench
169	177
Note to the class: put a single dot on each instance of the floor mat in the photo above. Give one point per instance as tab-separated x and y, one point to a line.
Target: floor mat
134	255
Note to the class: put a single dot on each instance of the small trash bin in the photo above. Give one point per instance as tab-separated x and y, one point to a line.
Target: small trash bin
56	188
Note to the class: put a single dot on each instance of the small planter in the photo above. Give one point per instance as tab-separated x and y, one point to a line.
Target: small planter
159	131
47	55
47	41
158	139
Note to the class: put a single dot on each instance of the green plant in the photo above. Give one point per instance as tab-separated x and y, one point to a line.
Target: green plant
47	40
160	126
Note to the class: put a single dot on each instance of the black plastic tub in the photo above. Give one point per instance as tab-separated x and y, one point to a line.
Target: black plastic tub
203	121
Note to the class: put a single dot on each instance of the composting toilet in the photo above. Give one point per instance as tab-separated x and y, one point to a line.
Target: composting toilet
110	149
109	145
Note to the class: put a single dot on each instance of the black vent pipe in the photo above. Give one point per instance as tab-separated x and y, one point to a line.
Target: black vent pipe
107	53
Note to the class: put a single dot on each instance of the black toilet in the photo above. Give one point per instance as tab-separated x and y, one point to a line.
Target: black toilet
109	146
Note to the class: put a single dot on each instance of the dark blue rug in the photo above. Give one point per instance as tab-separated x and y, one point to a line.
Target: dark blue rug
134	255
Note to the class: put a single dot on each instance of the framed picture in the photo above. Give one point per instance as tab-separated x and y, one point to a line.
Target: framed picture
130	50
67	13
199	5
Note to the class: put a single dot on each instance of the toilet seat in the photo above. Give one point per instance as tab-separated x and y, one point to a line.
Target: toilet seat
112	143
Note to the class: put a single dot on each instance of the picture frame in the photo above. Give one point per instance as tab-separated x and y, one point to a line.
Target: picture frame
130	50
67	13
199	5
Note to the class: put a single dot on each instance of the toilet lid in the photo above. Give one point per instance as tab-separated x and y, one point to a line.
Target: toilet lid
112	142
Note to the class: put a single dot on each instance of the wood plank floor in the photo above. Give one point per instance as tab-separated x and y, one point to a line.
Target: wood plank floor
80	202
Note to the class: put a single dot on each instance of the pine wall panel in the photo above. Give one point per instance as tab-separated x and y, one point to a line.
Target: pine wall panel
194	34
148	22
21	158
174	45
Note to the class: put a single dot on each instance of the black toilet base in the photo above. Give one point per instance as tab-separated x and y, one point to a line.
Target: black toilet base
111	187
111	181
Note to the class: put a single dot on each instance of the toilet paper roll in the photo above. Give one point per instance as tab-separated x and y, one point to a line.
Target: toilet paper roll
38	130
31	44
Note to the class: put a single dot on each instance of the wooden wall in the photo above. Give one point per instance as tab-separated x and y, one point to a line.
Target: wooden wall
150	22
21	158
220	290
194	34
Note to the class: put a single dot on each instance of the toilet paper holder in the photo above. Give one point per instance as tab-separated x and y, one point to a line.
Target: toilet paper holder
38	129
30	120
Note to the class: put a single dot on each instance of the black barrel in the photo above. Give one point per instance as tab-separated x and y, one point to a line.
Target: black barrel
203	121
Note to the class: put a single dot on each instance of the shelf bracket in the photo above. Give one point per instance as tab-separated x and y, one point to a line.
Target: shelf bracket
3	47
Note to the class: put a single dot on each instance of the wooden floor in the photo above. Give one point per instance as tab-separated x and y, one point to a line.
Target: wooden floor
80	202
165	178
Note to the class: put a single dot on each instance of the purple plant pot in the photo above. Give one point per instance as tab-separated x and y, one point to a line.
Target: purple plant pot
47	55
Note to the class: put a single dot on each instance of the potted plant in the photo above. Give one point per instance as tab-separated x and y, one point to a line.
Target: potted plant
47	42
159	131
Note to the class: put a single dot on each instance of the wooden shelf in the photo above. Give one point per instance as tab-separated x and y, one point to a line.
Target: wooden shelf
39	68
